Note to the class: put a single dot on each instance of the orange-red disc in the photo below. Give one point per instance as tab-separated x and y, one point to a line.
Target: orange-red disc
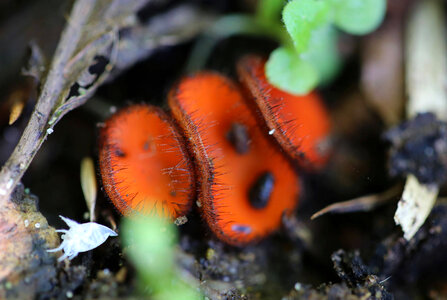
234	158
301	124
144	163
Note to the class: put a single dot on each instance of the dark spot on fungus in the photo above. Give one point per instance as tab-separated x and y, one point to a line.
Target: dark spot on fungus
261	190
238	137
241	228
119	153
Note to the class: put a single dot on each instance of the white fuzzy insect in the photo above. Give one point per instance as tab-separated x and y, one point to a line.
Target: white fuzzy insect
81	237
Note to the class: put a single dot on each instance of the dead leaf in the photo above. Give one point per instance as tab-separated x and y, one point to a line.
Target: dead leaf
382	78
16	108
415	206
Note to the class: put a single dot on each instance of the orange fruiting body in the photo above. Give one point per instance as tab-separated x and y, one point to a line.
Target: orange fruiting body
301	124
246	184
144	163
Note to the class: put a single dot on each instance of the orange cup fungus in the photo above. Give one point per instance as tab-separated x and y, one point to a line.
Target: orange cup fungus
245	182
300	124
144	163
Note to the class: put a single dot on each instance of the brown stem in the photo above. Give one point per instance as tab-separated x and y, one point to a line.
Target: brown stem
36	131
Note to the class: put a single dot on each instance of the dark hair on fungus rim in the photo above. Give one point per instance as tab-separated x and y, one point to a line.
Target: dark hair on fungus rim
145	166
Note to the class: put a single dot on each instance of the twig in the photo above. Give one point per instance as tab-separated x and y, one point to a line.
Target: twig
364	203
426	75
35	132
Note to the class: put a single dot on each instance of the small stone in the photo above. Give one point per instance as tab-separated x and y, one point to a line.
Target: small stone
181	220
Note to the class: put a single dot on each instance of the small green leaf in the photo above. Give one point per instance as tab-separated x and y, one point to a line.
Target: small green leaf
151	243
301	17
358	16
287	71
323	53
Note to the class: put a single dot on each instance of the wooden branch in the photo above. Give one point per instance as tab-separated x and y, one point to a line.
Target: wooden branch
36	131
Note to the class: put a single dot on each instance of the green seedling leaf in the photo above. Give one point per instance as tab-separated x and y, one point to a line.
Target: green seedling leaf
301	17
323	53
150	244
358	16
287	71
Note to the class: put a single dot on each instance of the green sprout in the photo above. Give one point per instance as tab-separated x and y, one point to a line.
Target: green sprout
301	18
307	34
358	16
310	24
150	243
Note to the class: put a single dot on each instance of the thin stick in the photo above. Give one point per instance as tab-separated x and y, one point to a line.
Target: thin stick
35	132
364	203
